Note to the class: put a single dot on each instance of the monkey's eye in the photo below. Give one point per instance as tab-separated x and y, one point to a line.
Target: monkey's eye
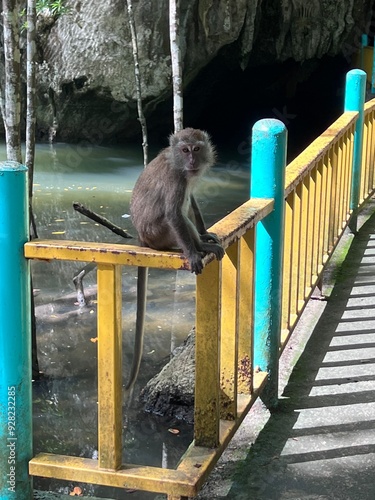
185	150
196	148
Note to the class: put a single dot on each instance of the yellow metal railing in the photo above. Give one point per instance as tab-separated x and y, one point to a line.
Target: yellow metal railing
225	385
317	194
317	210
368	152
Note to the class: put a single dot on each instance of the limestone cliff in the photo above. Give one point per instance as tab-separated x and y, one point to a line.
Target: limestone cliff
85	74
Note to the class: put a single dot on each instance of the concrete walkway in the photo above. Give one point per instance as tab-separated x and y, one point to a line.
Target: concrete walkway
320	444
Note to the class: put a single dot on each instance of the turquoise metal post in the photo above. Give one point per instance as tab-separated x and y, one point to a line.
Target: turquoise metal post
15	336
269	142
355	92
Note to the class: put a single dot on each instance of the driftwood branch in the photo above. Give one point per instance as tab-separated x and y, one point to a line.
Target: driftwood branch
101	220
78	282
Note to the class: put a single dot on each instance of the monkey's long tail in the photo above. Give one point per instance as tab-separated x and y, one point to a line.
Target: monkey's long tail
139	326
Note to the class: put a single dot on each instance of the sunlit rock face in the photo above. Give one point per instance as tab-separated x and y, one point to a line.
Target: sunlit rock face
86	68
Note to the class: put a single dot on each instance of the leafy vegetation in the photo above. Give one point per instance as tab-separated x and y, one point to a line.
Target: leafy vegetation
55	7
46	8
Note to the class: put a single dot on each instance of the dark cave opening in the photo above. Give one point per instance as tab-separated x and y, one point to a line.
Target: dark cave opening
307	97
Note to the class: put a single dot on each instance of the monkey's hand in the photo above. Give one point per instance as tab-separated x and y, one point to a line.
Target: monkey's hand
210	238
196	264
214	248
195	260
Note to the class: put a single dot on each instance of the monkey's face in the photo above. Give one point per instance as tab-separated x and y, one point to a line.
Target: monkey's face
192	157
192	151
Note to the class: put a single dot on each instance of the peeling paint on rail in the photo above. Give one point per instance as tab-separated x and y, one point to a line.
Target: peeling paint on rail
229	229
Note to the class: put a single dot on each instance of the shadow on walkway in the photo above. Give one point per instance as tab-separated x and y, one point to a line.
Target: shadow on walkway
320	444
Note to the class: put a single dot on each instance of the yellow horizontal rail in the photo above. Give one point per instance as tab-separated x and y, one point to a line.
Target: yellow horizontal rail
233	226
237	223
369	106
104	253
126	476
185	480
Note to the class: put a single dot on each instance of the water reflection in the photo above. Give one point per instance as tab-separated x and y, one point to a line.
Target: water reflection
65	401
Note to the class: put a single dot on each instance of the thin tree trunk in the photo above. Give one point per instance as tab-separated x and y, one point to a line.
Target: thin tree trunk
138	86
174	41
31	92
31	103
2	101
31	106
174	33
12	88
30	155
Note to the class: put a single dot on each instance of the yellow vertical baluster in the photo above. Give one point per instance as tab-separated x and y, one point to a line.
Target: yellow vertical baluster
319	222
109	366
365	165
229	333
330	206
287	263
246	313
364	171
370	158
304	239
334	154
295	255
326	177
349	169
341	158
310	225
347	177
314	208
348	173
369	154
372	150
207	348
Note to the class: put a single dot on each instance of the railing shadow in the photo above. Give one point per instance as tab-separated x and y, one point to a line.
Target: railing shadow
320	443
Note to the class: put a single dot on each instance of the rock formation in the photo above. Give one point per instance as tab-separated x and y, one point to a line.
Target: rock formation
85	71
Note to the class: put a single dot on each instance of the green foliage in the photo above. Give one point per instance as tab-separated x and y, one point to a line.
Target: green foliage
51	8
55	7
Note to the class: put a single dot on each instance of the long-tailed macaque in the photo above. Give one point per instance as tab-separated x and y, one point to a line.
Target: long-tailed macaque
166	216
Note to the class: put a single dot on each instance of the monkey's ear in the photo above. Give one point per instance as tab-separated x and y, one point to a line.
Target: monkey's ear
207	137
173	140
